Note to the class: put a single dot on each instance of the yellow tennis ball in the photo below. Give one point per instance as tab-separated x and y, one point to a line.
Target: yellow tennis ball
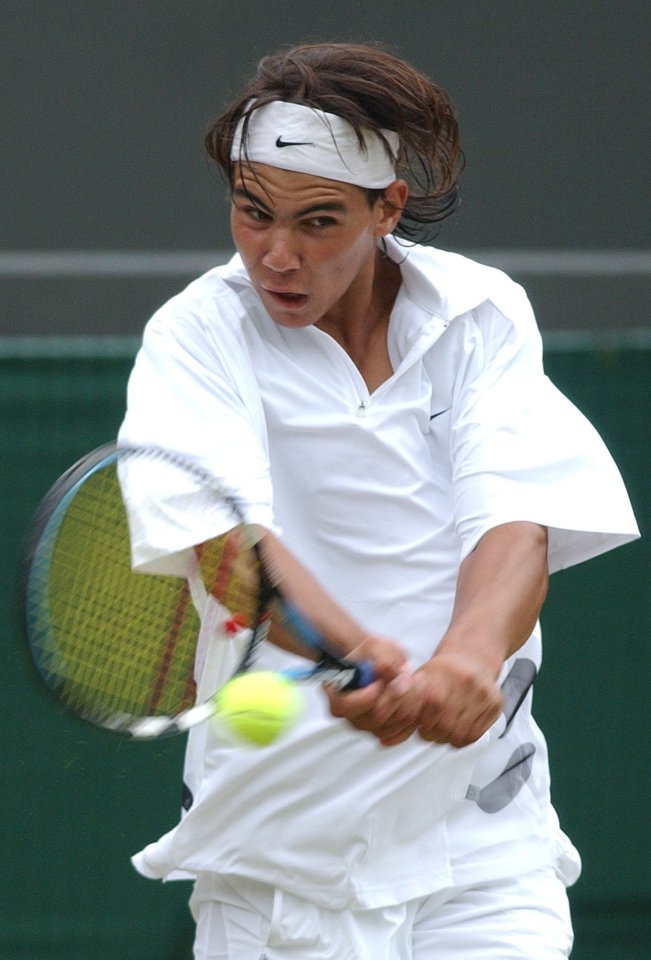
258	706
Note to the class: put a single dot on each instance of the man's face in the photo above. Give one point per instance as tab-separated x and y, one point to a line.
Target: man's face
309	244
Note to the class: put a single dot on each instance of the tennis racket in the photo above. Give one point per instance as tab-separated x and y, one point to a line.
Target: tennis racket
116	646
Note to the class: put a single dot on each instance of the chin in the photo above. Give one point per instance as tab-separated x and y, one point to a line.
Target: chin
291	323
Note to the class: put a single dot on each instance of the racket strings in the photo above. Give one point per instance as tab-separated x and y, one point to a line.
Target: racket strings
162	673
118	646
231	574
102	624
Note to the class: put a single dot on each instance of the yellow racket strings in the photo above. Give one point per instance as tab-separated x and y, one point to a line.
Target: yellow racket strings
117	641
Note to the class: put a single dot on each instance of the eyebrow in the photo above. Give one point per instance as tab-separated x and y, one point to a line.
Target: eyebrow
328	206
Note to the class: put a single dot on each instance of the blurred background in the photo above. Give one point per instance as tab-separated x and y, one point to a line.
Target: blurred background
109	207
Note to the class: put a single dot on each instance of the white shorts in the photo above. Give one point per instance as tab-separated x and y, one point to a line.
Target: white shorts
523	918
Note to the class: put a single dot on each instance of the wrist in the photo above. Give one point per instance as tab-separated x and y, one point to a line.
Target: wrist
475	646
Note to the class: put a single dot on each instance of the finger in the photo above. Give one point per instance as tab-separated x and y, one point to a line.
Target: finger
388	659
475	729
353	703
399	703
360	710
462	729
391	720
399	736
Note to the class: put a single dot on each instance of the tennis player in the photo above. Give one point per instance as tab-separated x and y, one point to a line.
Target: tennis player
383	407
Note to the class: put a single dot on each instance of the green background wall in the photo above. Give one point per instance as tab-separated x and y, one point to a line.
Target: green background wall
76	803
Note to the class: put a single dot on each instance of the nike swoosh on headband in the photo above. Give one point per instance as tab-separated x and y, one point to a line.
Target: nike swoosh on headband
293	143
335	149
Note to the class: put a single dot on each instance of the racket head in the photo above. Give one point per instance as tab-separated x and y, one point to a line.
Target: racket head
114	646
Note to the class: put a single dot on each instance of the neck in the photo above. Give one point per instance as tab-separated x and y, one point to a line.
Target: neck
368	306
360	323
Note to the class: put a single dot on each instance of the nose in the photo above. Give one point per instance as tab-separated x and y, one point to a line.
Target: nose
282	255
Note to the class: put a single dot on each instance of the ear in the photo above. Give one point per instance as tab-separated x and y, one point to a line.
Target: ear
390	206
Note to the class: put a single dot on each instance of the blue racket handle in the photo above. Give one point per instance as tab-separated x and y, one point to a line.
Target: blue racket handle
304	630
311	637
341	675
365	675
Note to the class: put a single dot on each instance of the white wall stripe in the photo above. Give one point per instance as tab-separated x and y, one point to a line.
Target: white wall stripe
59	264
62	264
569	263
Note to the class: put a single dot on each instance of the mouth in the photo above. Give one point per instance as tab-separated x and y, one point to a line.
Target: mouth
287	299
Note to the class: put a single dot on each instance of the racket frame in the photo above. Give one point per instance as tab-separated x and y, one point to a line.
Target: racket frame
337	672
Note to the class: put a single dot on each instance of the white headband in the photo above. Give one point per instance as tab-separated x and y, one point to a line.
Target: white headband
306	140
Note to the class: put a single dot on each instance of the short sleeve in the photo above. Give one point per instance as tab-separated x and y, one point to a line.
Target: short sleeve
522	451
191	391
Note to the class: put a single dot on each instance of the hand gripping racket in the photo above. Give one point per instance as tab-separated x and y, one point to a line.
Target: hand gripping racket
117	647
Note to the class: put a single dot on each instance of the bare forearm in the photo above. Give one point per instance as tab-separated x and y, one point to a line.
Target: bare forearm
501	588
342	633
300	588
456	696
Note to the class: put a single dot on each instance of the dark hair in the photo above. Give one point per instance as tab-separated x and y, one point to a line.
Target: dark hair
371	89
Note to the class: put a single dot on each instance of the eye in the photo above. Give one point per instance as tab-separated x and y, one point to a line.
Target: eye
255	213
251	212
320	222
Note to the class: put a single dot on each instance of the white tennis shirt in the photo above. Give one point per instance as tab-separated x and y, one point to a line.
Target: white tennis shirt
381	496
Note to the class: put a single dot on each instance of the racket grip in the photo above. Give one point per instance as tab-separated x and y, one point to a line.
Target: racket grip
364	675
309	635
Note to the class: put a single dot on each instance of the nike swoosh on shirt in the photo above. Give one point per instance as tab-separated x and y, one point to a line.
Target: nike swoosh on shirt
435	415
293	143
